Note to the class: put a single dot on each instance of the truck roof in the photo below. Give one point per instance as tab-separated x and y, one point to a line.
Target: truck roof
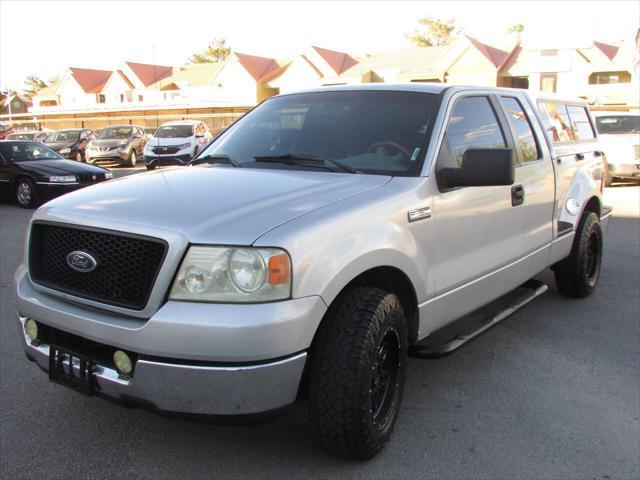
435	88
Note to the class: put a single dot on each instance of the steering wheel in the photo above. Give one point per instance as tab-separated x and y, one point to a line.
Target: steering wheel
388	143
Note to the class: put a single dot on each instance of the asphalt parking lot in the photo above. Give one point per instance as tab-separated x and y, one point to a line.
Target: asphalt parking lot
553	392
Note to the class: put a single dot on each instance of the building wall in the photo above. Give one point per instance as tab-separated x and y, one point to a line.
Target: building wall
298	75
472	68
115	87
72	94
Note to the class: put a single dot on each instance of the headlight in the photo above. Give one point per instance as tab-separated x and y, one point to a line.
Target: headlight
108	175
62	179
234	275
65	150
123	142
184	145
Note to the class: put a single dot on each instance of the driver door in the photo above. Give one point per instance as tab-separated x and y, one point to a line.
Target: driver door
478	230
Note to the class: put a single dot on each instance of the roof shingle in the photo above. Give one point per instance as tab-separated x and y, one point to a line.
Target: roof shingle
91	81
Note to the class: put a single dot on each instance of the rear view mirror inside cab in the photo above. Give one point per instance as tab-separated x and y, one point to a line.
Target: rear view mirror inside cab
481	167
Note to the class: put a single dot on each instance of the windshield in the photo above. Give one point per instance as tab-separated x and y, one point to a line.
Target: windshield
376	132
24	152
174	131
63	136
114	133
618	124
21	136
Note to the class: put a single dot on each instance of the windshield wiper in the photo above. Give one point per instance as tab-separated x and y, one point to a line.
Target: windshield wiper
306	160
216	158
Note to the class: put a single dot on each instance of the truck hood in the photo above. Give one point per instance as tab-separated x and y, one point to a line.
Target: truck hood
219	205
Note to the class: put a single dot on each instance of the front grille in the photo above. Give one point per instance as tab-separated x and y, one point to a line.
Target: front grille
85	178
165	150
127	265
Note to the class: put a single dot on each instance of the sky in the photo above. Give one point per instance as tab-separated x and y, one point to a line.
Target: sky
43	38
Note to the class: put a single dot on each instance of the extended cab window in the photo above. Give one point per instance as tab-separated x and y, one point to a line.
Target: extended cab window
472	124
524	132
556	121
580	121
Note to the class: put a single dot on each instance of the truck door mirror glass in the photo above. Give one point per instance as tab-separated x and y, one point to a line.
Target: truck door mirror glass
481	167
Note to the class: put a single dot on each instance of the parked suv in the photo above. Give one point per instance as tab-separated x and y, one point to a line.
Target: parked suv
620	138
316	242
122	144
176	143
70	143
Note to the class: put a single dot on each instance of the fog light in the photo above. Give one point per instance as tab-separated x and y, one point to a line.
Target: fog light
31	329
123	362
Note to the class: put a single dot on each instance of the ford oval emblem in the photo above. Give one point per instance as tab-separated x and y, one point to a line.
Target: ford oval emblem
81	261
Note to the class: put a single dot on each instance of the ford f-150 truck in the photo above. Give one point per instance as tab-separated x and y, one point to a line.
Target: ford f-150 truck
310	249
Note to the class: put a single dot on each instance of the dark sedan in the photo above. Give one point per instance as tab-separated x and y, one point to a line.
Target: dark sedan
70	143
32	173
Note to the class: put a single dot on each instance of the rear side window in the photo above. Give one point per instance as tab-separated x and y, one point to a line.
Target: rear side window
580	122
556	121
472	124
524	132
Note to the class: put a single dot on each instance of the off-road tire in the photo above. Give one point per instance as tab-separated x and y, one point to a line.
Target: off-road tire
343	368
577	275
26	194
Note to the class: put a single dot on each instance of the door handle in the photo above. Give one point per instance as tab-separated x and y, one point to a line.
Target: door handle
597	153
517	195
580	156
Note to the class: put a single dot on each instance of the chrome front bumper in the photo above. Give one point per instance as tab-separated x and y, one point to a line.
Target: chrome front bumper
192	389
625	170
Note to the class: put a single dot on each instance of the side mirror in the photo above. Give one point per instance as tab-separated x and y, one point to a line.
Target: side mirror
481	167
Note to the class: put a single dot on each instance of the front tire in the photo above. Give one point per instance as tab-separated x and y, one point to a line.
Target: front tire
150	167
577	275
133	159
26	194
357	372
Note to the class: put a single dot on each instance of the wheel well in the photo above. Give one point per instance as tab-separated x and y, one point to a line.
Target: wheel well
593	205
14	182
393	280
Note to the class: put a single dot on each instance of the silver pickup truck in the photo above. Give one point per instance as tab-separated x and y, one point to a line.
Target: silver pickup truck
310	249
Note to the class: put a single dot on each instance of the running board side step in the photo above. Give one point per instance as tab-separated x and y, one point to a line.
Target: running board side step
516	299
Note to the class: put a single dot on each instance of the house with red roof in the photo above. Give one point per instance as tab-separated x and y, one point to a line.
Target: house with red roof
77	86
600	72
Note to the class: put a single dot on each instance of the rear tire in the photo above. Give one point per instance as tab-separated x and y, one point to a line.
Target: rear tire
150	167
577	275
26	194
357	372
